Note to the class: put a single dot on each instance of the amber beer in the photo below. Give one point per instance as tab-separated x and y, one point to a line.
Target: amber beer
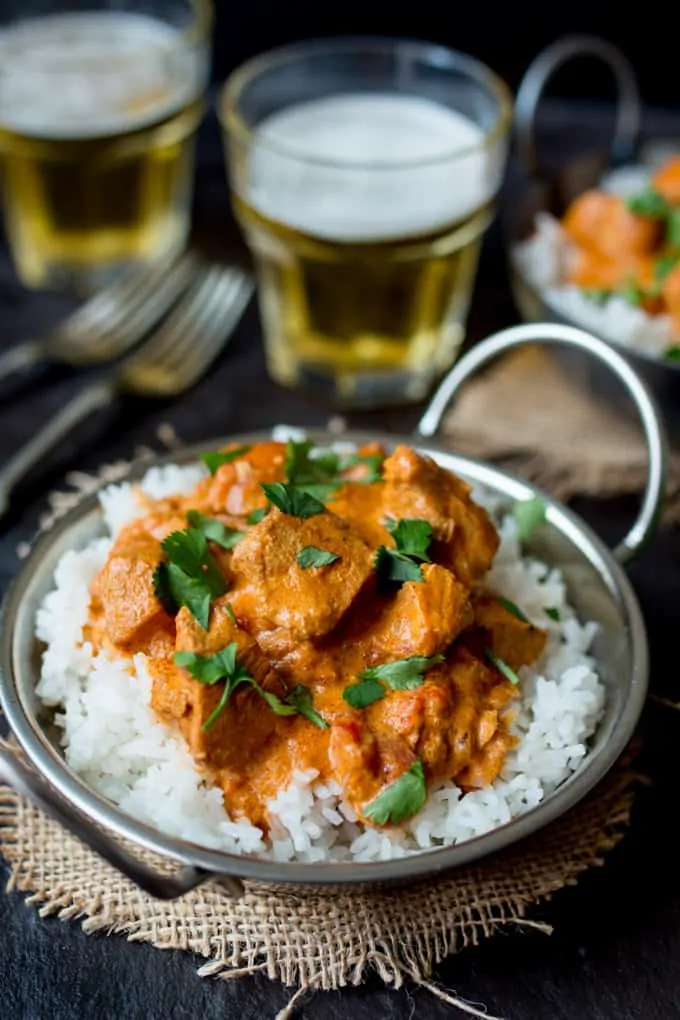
365	214
98	113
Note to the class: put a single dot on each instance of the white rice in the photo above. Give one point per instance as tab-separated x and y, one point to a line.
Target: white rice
112	739
544	260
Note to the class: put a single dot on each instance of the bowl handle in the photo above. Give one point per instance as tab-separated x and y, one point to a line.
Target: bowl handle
164	887
542	68
541	333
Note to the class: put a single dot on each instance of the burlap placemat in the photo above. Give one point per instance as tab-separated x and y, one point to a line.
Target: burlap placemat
537	418
310	941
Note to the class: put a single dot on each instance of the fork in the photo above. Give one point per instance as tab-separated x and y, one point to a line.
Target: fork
168	363
110	323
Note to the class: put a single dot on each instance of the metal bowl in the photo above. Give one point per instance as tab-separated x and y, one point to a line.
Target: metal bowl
544	187
598	588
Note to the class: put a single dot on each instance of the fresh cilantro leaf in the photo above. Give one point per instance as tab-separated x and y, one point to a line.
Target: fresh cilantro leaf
673	228
210	669
528	514
673	354
291	500
302	700
663	266
632	292
401	799
190	576
598	295
364	693
312	556
277	706
403	674
255	516
391	565
316	475
512	608
214	530
229	609
215	460
648	204
553	613
412	536
502	667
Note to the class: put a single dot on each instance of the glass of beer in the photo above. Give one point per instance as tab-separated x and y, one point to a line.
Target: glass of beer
99	106
363	174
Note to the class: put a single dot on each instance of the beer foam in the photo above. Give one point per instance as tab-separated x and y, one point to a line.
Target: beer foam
371	166
94	73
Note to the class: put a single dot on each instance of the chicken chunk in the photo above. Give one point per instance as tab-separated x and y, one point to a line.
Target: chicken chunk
517	642
416	487
235	488
424	617
306	602
666	180
602	222
125	590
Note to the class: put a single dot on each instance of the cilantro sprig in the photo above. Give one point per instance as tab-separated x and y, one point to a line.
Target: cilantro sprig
225	666
214	530
400	675
291	500
528	514
648	204
312	556
502	666
215	459
412	537
321	472
512	608
401	799
189	575
255	516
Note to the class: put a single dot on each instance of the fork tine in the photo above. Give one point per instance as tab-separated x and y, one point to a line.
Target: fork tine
181	350
107	304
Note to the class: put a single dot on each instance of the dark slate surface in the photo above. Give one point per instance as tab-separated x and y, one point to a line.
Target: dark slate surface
615	951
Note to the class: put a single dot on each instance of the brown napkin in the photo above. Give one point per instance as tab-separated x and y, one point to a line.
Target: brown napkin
531	414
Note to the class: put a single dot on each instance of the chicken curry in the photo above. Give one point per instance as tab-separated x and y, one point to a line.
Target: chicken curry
630	246
305	609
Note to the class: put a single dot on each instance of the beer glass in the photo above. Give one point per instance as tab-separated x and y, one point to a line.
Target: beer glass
99	106
363	174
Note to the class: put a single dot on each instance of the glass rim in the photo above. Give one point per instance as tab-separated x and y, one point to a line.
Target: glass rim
442	56
199	28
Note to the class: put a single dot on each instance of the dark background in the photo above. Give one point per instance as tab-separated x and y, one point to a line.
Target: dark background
506	35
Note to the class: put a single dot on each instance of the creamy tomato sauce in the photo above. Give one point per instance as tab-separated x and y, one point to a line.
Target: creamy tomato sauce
316	628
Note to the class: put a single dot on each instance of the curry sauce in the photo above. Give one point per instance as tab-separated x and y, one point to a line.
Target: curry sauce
296	619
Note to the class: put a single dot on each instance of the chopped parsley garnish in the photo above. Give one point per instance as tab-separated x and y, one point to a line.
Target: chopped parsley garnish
401	799
255	516
553	613
215	460
312	556
188	576
598	295
512	608
528	514
211	669
502	667
320	472
401	675
291	500
391	565
214	530
302	700
648	204
673	228
673	354
632	292
663	266
412	538
224	665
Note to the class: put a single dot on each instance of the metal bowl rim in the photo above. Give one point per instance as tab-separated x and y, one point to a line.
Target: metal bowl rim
45	758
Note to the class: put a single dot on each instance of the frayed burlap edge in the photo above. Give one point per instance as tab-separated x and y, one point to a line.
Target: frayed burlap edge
309	940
